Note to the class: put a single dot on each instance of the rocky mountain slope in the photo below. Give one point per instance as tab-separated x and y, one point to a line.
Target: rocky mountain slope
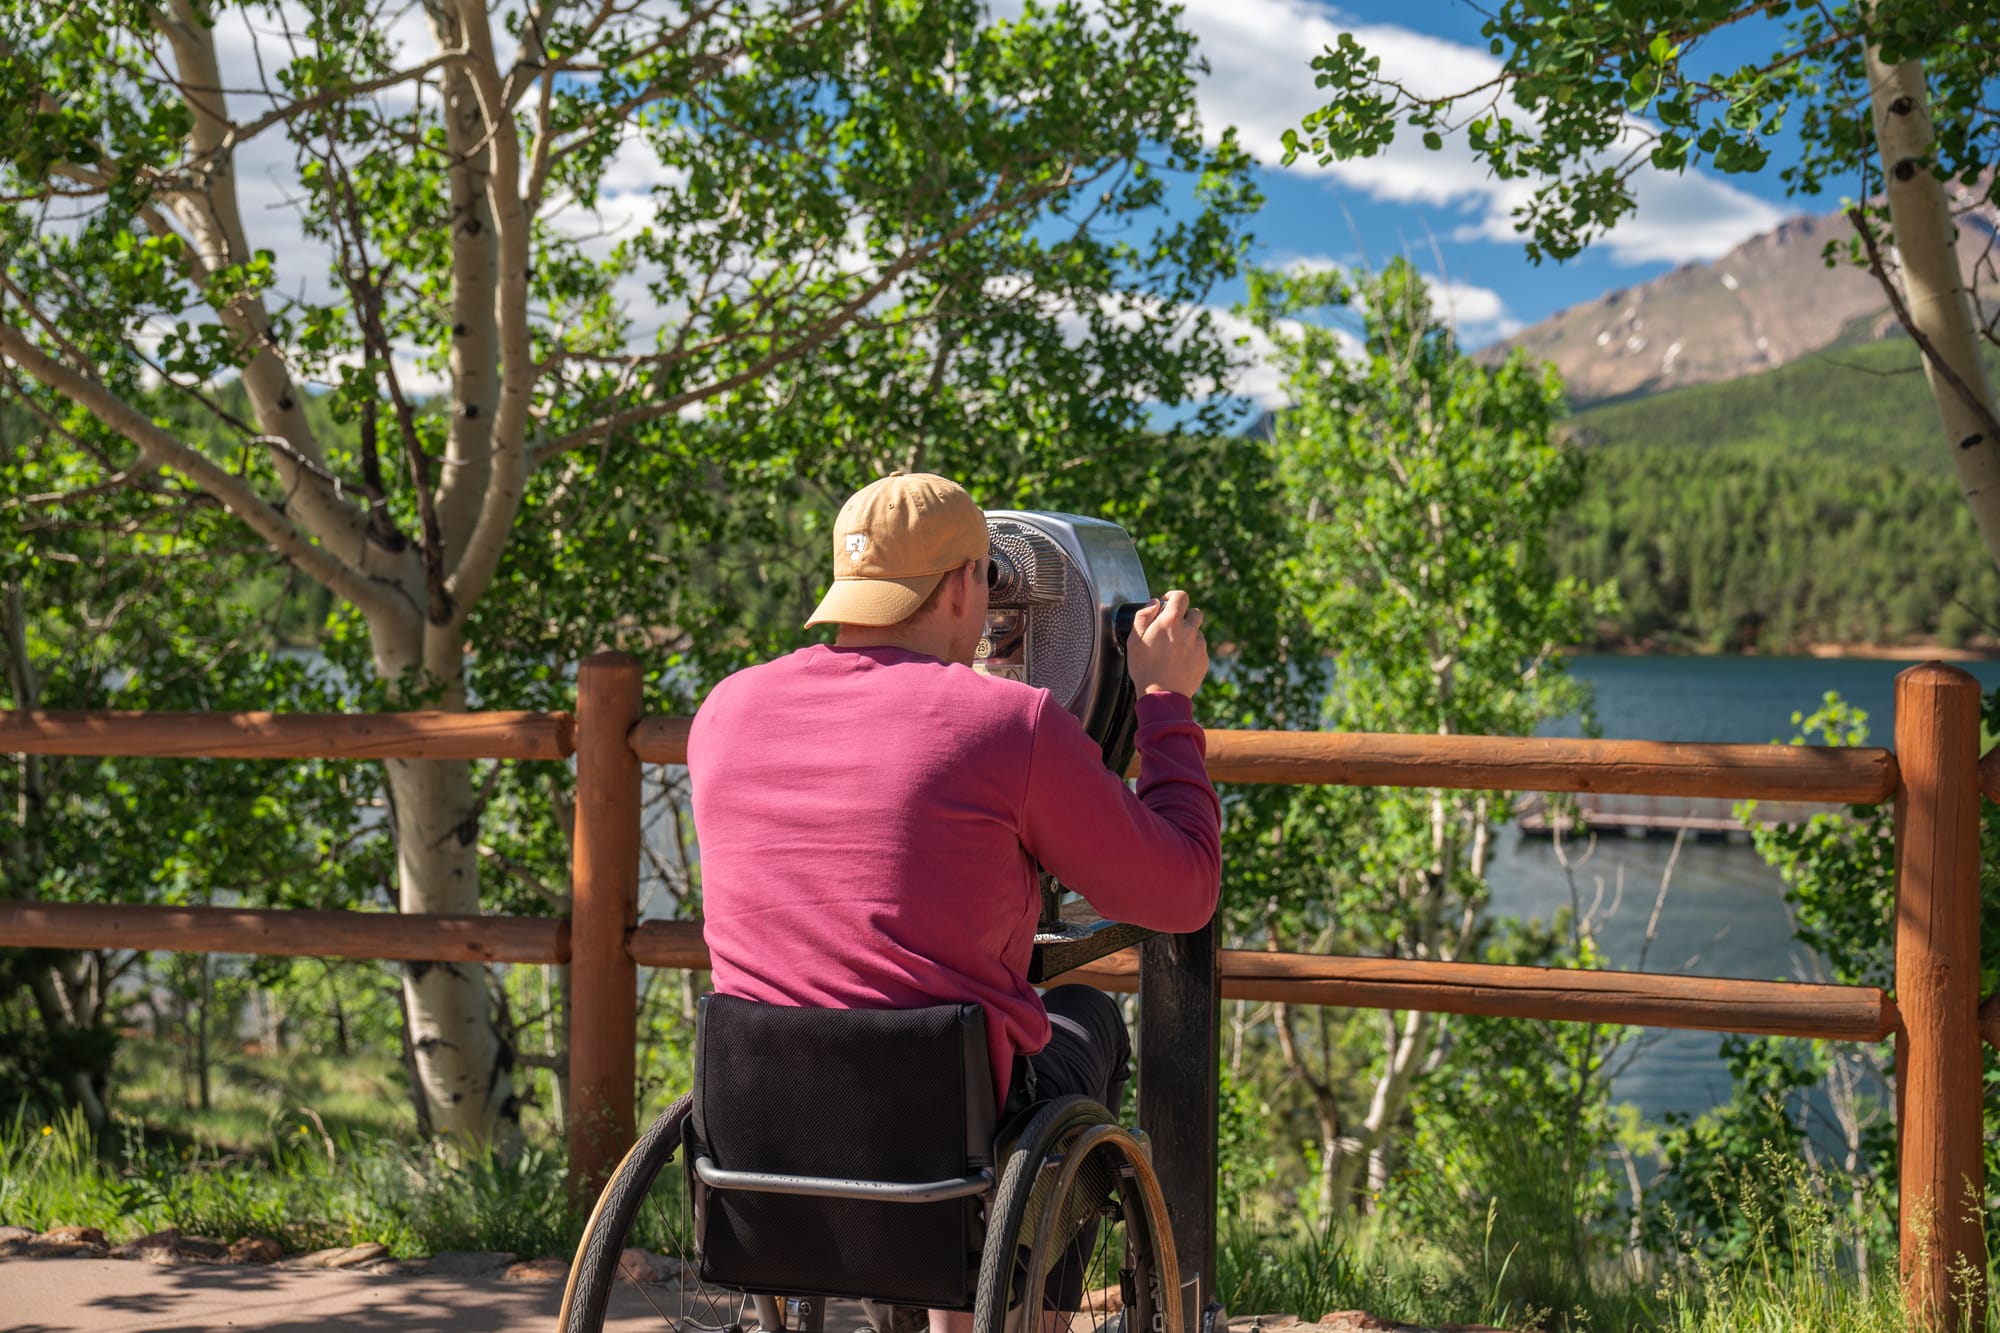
1767	302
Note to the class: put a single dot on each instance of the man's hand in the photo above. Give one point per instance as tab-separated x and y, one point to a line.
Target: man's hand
1166	650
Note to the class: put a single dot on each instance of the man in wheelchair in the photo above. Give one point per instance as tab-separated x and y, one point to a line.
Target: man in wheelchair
872	814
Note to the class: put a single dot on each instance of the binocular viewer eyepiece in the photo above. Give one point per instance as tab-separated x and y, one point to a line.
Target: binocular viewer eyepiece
1062	591
1025	571
1061	594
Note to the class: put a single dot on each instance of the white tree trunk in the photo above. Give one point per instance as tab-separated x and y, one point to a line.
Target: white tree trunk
461	1062
1940	308
1407	1043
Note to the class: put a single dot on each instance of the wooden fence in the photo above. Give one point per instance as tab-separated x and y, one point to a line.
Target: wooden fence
1935	776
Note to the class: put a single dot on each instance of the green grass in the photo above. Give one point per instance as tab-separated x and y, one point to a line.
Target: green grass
1367	1265
303	1187
310	1150
308	1189
1756	1300
359	1095
1793	1269
1797	1272
1311	1271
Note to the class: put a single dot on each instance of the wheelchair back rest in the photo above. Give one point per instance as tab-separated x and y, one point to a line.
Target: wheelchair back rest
896	1096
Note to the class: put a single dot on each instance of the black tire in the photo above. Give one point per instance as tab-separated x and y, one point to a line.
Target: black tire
1073	1165
616	1220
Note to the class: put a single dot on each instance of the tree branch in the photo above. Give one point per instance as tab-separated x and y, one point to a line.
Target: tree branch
839	319
473	355
242	133
365	290
234	493
706	67
534	59
1934	358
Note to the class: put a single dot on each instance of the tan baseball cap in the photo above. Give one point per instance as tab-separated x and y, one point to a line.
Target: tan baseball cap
894	539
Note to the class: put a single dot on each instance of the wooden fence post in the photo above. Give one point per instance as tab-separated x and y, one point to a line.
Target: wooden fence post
1179	1059
604	886
1940	1169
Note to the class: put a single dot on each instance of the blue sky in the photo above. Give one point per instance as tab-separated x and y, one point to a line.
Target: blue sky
1443	206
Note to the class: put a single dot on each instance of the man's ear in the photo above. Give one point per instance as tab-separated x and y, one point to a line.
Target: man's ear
962	586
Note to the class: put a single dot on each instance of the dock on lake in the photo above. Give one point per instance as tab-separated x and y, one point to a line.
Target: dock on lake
1648	816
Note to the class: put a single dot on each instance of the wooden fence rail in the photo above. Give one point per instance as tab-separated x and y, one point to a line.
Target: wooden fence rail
293	932
290	735
1935	776
1803	773
1647	999
1810	774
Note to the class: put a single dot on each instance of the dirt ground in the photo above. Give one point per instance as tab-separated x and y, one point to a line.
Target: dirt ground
127	1296
98	1295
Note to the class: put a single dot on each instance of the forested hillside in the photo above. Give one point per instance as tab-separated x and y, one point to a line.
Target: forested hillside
1865	400
1810	504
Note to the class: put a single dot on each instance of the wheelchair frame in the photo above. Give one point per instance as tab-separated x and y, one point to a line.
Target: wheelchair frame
1040	1163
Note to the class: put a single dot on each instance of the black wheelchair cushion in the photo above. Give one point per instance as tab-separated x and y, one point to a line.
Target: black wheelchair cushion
901	1095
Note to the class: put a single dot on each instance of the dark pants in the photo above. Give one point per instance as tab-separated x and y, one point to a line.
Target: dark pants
1088	1055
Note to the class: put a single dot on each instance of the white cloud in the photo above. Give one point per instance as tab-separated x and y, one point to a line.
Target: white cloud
1260	379
635	171
1464	303
1478	314
1257	377
1259	53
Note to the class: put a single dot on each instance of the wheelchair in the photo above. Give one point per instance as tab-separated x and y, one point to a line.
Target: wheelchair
858	1155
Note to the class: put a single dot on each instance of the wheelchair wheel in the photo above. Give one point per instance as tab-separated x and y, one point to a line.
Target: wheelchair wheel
1077	1198
1088	1230
645	1205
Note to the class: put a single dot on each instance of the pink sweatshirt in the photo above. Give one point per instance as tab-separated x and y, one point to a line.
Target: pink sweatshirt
870	819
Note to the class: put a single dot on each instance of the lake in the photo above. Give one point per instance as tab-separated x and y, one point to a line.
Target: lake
1725	913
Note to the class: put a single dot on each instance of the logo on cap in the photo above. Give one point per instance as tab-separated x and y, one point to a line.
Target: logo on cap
857	544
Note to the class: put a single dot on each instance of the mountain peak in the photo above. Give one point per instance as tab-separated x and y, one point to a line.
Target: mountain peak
1769	301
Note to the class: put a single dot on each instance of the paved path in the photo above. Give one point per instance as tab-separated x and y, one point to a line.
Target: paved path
128	1296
